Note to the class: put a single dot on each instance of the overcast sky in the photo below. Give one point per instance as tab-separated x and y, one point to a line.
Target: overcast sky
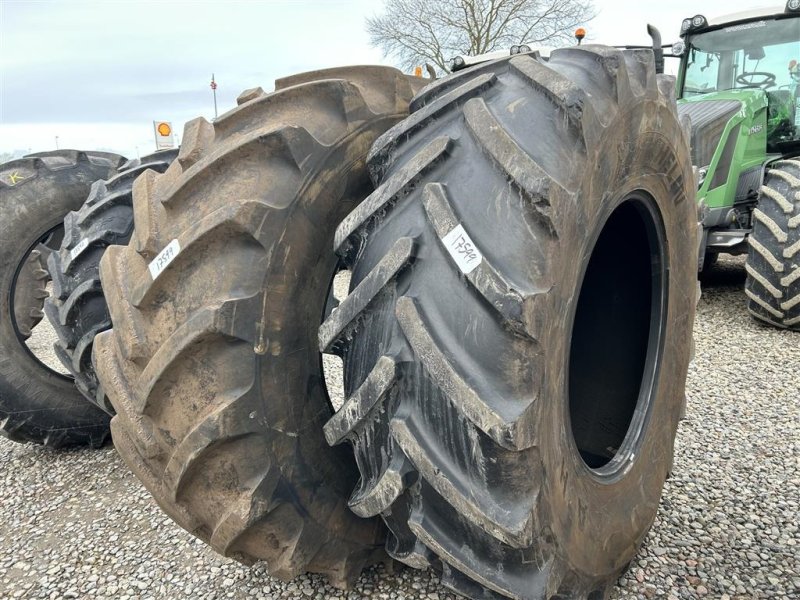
97	73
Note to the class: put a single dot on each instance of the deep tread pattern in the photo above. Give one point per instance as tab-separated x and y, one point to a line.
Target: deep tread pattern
36	192
514	529
403	130
77	310
146	214
197	134
489	282
31	291
370	393
773	262
525	173
214	361
344	318
567	97
502	424
379	202
441	86
447	408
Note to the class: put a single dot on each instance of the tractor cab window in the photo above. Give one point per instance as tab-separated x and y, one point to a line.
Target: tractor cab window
759	55
702	72
756	55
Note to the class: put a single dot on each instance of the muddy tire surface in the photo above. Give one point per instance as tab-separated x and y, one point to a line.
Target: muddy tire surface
518	330
212	363
773	260
77	309
37	404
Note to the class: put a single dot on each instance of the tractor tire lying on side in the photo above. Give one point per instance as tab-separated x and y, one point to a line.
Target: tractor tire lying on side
518	330
37	404
77	310
773	261
212	363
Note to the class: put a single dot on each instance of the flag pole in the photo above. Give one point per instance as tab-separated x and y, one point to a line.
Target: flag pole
214	91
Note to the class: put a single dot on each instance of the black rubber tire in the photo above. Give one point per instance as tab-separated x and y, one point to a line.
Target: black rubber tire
30	292
458	403
77	310
773	260
36	404
213	368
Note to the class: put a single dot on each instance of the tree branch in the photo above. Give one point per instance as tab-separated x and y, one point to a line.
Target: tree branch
413	32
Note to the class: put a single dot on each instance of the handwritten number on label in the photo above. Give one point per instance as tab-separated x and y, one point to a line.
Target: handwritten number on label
166	256
464	252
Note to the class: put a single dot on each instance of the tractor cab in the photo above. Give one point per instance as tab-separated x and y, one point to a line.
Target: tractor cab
745	58
739	86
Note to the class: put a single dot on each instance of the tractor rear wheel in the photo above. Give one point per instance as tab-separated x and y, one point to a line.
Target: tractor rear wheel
773	262
38	404
518	331
211	364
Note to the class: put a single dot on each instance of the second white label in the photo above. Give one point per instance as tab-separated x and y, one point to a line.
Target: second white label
461	248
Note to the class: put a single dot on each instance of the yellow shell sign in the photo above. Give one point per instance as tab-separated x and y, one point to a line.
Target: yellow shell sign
163	134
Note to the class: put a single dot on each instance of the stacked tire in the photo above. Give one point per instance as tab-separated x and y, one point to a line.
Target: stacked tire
211	364
38	404
515	340
77	309
518	331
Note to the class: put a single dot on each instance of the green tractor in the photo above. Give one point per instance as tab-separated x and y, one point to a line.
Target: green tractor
738	85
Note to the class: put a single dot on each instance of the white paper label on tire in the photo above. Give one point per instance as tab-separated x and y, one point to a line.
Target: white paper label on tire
166	256
461	248
79	247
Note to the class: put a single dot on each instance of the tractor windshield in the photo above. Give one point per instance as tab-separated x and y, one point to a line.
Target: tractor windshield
761	55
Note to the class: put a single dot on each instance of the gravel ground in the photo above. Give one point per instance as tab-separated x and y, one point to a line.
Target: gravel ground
77	524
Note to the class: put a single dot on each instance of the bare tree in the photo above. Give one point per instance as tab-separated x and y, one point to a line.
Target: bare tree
414	32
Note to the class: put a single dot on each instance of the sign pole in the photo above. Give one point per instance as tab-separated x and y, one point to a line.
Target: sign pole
214	91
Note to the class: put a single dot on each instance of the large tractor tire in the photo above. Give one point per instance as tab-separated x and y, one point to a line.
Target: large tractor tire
37	404
518	331
773	262
212	363
77	310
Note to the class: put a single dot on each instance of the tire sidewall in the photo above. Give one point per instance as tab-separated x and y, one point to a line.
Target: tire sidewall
294	310
593	538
